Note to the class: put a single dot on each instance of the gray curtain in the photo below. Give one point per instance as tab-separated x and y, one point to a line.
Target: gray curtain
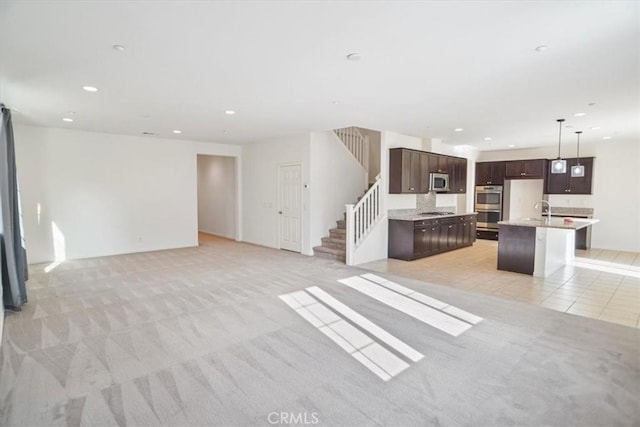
13	256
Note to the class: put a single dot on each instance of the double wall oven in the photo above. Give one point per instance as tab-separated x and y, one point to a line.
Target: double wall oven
489	207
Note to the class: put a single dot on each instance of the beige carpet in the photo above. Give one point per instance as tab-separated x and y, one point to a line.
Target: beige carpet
199	337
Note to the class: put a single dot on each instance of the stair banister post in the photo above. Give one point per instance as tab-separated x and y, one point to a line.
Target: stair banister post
350	230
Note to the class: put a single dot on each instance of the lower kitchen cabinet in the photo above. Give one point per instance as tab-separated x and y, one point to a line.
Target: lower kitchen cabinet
409	240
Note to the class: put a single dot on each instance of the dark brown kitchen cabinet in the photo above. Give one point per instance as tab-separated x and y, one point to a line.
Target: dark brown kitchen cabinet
467	231
458	175
564	183
535	168
409	240
408	171
490	173
439	163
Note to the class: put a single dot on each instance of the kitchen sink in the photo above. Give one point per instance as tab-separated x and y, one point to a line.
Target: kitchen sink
536	219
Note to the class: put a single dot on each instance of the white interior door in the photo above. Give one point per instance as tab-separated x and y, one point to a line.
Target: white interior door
290	206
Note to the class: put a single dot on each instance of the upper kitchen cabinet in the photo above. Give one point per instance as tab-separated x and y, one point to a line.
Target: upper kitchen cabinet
440	164
457	175
526	169
564	183
408	171
490	173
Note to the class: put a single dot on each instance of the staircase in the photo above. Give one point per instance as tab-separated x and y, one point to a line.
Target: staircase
334	246
359	219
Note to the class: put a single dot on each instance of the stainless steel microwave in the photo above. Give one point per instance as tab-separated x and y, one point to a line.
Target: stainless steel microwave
438	182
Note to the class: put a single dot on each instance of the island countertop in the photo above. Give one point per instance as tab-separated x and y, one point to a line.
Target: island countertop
544	222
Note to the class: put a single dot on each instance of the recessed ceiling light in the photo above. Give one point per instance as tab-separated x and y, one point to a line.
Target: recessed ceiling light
230	112
119	47
355	56
595	128
177	131
458	130
487	139
606	137
90	88
542	48
511	145
579	114
67	119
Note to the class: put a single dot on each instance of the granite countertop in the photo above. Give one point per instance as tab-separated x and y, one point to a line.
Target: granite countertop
569	212
554	223
416	215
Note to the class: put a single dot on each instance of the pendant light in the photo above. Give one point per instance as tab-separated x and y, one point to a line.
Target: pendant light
577	170
559	165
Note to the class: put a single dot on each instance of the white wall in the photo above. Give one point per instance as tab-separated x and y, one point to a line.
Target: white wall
375	246
374	152
336	179
260	161
520	197
616	189
103	194
217	195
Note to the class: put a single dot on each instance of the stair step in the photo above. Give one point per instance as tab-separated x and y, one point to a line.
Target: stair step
334	243
338	233
342	224
336	254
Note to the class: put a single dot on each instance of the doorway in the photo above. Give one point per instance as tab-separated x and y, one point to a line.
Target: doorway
217	197
290	207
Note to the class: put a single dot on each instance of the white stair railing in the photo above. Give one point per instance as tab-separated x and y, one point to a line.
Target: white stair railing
357	143
361	218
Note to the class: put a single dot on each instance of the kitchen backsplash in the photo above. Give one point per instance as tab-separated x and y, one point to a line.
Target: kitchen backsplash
571	201
426	202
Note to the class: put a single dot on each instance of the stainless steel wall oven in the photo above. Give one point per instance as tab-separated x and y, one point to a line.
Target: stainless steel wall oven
489	206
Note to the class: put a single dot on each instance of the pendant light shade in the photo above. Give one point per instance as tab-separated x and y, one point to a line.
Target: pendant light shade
559	165
577	170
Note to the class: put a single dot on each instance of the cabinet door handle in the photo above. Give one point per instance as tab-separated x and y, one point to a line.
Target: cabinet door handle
450	226
411	189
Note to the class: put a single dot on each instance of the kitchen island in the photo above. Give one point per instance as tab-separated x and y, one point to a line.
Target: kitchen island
538	246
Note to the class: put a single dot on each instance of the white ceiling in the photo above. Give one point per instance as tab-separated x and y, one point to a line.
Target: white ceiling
426	68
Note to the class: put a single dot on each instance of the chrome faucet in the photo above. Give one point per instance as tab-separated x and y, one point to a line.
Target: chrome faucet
548	209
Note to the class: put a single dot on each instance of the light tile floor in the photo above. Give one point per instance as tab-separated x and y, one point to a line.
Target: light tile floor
602	284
